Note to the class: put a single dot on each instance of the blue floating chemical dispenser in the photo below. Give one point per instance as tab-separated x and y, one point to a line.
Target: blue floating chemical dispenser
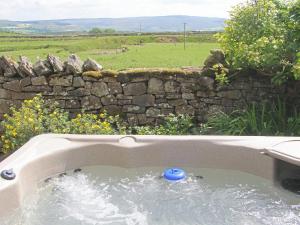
174	174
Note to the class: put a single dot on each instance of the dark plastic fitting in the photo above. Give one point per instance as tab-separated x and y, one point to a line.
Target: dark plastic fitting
47	180
62	174
8	174
292	185
77	170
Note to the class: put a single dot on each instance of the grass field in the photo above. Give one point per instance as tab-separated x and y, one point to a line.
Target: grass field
142	51
158	55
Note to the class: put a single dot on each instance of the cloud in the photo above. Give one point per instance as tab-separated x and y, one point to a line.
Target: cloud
59	9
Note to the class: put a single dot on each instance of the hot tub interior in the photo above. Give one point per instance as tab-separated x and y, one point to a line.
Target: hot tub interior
118	196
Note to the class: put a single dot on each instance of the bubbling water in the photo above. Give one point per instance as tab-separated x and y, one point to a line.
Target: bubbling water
116	196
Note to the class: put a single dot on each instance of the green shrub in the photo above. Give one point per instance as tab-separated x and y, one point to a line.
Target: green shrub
173	125
264	35
38	116
258	119
96	124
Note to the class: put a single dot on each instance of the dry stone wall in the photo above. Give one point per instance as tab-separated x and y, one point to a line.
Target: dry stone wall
140	96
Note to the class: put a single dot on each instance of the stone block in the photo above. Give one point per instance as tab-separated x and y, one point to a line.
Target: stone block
133	109
8	66
124	97
172	87
99	89
123	78
134	89
112	109
61	103
79	92
91	65
173	96
143	100
207	83
188	87
88	85
188	96
115	88
42	68
109	79
227	102
89	78
124	102
185	110
59	90
214	101
160	100
25	82
72	104
155	86
167	112
78	82
73	65
36	89
25	68
138	77
234	94
12	85
65	81
177	102
153	112
5	94
56	64
91	103
206	94
22	95
164	106
109	100
4	106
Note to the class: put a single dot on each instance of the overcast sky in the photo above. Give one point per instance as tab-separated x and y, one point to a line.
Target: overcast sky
60	9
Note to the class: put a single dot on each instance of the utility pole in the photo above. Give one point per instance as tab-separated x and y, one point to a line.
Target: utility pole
140	34
184	39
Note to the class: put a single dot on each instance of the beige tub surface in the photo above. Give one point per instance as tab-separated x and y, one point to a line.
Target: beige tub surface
288	151
49	154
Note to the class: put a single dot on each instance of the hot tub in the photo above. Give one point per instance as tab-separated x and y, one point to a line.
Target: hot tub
257	172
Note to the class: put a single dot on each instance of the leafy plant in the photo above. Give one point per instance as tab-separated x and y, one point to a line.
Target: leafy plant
257	119
38	116
221	74
264	35
296	68
173	125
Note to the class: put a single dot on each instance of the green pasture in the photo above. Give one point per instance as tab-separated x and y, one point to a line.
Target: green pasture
115	52
157	55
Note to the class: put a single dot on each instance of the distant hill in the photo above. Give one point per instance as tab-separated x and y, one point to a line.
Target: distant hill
130	24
